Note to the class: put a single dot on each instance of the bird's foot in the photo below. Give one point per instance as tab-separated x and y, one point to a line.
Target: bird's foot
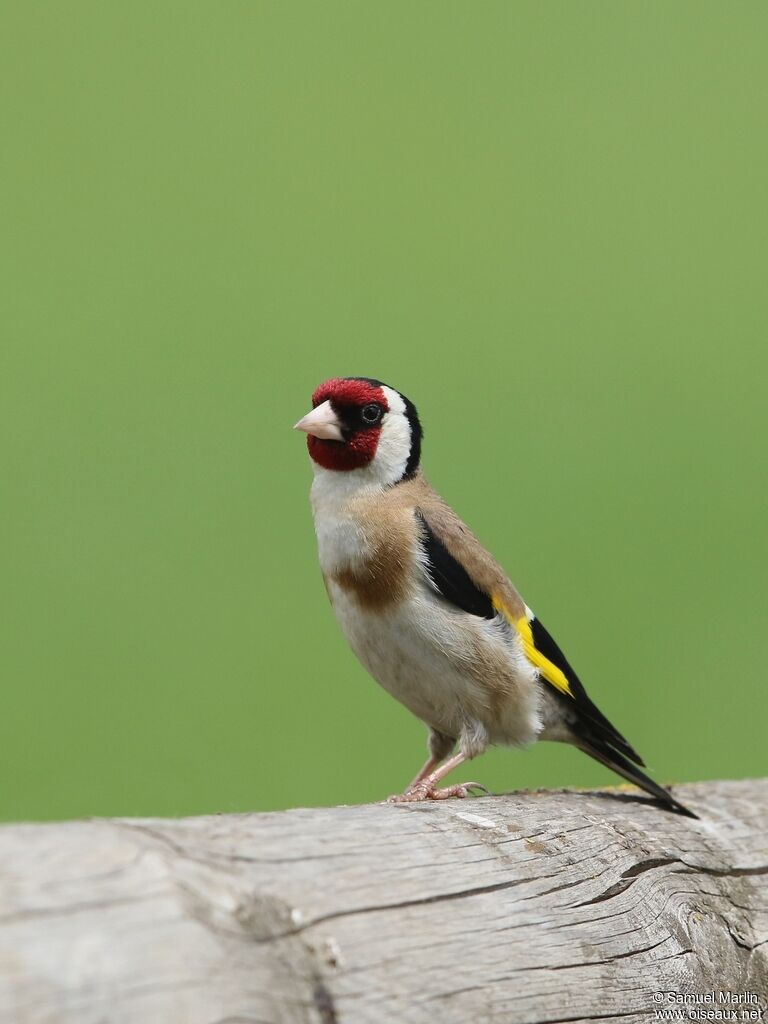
426	792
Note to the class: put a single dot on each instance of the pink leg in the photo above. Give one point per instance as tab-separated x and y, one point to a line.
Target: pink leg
423	786
428	768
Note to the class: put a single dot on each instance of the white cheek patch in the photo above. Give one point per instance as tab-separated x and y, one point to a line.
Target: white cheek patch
394	447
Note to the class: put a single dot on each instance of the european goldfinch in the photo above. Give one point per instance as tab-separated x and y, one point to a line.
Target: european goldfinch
426	609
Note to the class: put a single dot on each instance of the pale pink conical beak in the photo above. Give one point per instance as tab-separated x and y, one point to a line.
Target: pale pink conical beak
322	422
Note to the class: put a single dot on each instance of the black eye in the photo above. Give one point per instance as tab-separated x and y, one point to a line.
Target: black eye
371	414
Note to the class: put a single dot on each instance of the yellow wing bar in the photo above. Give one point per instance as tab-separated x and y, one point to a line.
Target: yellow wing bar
550	672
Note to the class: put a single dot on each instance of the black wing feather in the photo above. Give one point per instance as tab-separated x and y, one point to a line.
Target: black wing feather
584	708
450	578
453	582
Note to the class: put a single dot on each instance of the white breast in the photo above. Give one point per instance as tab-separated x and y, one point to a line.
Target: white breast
421	650
465	676
341	538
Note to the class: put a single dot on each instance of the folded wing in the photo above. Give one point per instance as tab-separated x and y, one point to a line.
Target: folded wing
449	576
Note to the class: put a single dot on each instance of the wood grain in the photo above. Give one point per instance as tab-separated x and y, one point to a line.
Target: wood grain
534	908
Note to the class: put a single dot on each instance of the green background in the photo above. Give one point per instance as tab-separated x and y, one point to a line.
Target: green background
544	222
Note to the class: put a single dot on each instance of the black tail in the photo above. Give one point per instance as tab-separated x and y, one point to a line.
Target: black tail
597	747
594	727
591	730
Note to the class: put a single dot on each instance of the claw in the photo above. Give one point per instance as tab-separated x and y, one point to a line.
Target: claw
426	792
478	785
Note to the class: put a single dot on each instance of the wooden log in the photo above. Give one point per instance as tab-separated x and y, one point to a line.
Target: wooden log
530	907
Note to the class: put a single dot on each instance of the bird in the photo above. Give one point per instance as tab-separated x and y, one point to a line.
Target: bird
427	610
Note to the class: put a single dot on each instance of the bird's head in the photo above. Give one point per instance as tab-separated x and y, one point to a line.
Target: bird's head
357	423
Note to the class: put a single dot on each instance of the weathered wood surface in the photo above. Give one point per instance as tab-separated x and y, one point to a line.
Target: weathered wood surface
530	907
